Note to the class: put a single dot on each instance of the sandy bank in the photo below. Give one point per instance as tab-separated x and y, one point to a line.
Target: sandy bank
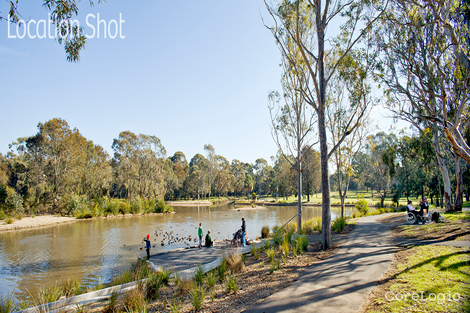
249	208
38	221
190	203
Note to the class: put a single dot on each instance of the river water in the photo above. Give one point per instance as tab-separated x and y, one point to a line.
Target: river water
95	250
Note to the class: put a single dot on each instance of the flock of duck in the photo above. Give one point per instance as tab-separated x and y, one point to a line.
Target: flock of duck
170	237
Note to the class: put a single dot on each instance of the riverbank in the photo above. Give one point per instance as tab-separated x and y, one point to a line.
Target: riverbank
36	221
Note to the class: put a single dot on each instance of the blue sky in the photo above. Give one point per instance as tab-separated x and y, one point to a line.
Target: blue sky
189	72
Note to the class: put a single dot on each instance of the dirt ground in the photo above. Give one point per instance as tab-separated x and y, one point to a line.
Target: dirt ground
255	283
37	221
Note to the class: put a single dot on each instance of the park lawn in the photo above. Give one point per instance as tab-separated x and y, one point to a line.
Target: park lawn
456	227
352	197
424	279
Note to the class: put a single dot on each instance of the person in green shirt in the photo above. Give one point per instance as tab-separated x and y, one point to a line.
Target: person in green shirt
200	233
208	240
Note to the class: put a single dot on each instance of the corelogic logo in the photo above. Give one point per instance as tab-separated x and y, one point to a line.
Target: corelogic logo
440	297
42	29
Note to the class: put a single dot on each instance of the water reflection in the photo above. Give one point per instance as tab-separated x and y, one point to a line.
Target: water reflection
94	250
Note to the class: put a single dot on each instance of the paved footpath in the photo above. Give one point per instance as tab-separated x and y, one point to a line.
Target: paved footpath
342	282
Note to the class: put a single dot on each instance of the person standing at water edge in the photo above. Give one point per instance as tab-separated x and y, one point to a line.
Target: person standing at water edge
200	233
147	246
243	232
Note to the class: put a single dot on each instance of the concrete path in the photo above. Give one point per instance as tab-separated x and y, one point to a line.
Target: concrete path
342	282
183	259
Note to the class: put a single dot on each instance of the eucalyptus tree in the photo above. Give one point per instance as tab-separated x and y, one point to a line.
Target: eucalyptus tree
349	100
181	170
55	159
97	171
223	177
311	177
426	66
139	164
261	174
197	178
292	120
211	164
305	23
62	14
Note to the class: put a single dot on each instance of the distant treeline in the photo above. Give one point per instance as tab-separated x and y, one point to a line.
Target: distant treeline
50	169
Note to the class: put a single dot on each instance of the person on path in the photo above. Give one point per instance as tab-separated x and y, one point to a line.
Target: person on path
243	232
147	246
424	205
208	240
200	233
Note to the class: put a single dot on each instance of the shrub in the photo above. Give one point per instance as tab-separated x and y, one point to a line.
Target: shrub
255	251
199	275
222	268
265	232
278	238
152	286
165	275
124	208
197	296
14	202
362	206
253	196
134	301
7	305
3	215
8	220
271	254
338	224
318	224
235	262
230	283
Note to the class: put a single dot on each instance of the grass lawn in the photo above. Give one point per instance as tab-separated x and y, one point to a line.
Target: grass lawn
424	279
457	227
351	198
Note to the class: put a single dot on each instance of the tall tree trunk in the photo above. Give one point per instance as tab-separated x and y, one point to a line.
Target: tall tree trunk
445	173
458	204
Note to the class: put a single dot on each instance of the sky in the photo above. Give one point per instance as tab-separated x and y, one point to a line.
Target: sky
189	72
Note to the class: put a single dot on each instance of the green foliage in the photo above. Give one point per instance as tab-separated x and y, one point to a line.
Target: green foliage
271	254
71	287
222	268
285	247
8	220
175	306
111	305
362	206
13	203
3	215
211	278
165	275
338	224
253	196
197	296
49	294
152	286
199	275
255	251
231	283
278	237
7	305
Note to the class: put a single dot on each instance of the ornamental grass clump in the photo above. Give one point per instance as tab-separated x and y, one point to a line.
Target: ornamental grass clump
338	224
7	305
222	268
231	283
197	296
255	252
199	275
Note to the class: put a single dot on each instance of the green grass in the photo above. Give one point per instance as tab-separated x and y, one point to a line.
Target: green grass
457	216
435	274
